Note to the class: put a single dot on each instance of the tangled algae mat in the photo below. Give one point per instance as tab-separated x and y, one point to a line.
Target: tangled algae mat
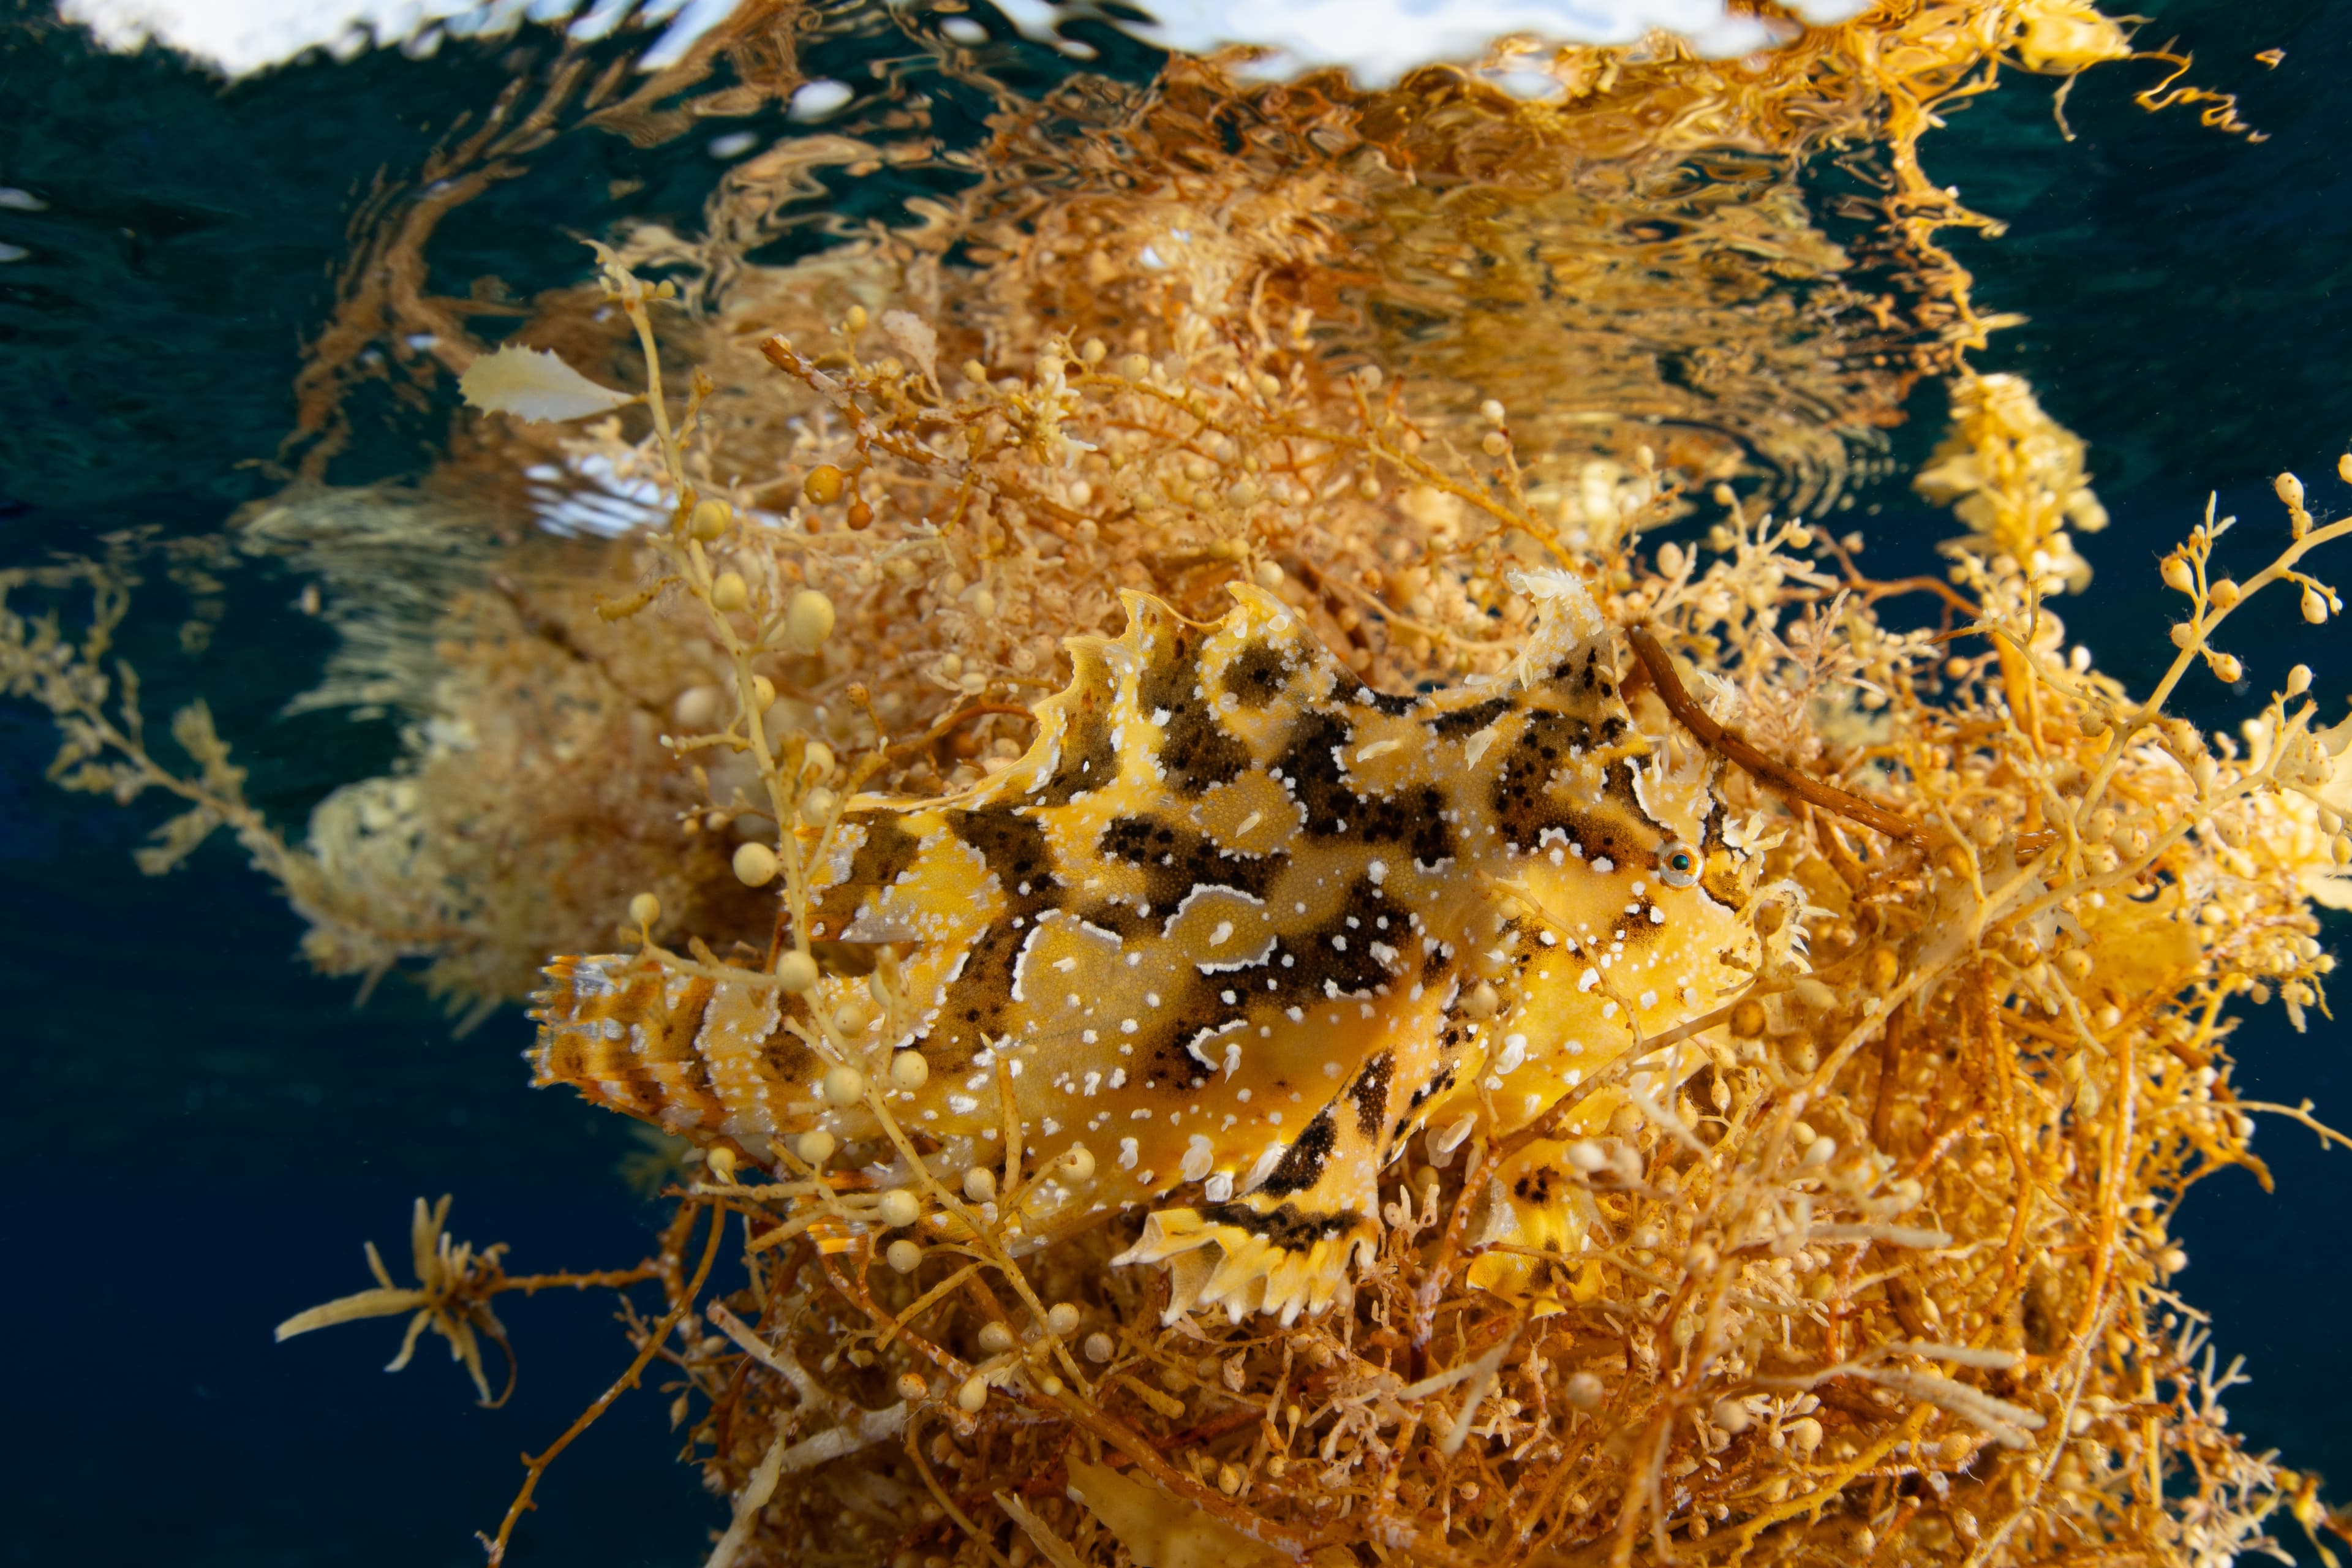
1745	1025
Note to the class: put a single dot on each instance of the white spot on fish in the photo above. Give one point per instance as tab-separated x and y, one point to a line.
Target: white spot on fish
1447	1140
1198	1156
1267	1159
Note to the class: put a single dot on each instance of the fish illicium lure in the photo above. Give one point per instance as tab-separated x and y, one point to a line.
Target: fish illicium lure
1240	926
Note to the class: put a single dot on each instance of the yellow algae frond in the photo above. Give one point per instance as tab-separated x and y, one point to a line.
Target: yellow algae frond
1158	1530
533	383
2017	478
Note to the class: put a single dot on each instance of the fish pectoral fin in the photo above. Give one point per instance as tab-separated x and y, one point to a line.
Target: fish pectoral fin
1236	1258
1538	1207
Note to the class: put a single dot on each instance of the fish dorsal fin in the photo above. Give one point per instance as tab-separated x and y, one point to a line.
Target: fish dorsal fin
1570	629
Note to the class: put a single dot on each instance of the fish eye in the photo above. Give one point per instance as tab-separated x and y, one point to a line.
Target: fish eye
1678	865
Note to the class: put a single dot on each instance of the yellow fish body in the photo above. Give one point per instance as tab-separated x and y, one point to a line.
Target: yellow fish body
1240	926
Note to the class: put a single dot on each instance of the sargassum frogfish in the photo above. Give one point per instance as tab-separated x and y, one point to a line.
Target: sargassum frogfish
1242	927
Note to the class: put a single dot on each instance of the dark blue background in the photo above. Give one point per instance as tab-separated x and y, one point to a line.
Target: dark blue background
203	1131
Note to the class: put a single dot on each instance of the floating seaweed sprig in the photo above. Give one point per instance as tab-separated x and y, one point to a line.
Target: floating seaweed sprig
451	1297
455	1286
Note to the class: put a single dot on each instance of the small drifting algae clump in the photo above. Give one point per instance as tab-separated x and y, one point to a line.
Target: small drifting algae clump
1255	966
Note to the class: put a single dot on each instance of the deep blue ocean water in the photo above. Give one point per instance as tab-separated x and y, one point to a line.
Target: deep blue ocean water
202	1131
